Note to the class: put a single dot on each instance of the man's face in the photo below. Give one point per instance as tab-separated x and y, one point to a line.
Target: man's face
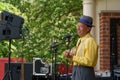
82	29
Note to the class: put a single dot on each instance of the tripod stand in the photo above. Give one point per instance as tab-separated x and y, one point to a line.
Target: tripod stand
8	73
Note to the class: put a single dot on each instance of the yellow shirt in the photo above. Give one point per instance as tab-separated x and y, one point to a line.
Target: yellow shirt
87	52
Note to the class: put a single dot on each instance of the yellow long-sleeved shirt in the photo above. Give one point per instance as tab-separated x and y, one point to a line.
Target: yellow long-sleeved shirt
87	52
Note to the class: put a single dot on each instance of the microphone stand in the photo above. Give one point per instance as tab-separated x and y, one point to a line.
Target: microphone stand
54	49
67	47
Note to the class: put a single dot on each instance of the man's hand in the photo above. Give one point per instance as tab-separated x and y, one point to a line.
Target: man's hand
66	54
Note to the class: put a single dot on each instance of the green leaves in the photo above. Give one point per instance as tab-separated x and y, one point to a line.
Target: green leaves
47	20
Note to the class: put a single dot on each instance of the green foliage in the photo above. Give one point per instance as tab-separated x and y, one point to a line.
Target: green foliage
46	20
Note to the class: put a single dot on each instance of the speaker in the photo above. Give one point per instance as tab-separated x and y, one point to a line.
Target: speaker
16	71
10	26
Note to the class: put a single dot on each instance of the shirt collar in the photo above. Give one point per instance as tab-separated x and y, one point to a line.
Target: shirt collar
84	37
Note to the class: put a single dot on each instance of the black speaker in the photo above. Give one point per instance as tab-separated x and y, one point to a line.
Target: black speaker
10	26
16	71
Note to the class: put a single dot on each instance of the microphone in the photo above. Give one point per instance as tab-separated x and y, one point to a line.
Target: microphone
68	35
53	44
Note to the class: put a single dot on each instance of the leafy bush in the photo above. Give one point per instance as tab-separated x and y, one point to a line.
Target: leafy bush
46	21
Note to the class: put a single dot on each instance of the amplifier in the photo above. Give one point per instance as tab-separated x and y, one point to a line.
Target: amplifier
40	68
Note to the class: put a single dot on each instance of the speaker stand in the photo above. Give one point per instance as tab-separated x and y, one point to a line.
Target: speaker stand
9	68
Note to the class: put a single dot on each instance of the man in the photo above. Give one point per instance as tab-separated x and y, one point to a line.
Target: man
85	57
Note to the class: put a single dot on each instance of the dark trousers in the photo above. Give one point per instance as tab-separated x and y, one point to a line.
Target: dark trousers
83	73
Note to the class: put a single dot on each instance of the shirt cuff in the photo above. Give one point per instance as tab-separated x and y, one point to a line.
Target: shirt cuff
75	58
